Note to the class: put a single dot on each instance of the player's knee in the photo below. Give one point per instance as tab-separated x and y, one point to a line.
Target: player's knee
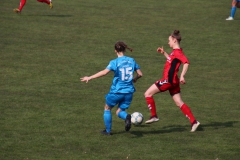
106	107
117	111
179	103
234	3
146	94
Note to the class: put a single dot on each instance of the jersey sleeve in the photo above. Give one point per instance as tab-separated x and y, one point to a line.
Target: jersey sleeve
111	66
182	58
136	66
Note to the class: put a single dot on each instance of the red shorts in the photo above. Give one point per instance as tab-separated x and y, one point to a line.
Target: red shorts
163	85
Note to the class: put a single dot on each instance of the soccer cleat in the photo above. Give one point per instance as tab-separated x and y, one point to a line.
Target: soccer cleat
152	119
195	126
104	132
229	18
128	122
16	10
50	5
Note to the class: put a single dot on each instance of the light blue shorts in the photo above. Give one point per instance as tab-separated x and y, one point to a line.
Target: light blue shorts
122	99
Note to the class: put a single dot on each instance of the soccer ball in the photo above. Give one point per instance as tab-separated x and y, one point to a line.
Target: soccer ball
136	118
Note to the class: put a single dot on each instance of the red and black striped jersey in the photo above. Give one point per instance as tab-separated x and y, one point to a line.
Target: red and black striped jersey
171	67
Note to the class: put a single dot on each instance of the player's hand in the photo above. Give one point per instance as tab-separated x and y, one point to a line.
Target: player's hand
85	79
134	80
160	50
182	80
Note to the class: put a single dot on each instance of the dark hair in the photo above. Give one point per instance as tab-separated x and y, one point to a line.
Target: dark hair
176	34
120	46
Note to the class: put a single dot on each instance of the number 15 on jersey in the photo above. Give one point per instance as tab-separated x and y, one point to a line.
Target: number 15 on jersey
126	73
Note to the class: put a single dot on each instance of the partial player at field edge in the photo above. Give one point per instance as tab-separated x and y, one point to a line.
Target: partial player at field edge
235	5
23	2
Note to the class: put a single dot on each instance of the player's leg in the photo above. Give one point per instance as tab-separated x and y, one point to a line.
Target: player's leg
153	89
44	1
159	86
107	117
121	113
233	10
19	9
186	111
124	104
111	101
49	2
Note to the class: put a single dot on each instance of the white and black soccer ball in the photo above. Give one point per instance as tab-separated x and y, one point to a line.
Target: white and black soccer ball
137	118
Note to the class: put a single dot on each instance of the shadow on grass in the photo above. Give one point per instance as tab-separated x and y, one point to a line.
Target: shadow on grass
62	16
58	16
181	128
166	129
216	125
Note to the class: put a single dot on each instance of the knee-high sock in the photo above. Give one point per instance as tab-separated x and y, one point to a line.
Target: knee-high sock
22	3
44	1
187	112
122	115
151	105
107	117
233	11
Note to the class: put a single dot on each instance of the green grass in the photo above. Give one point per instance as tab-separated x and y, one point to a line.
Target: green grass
47	113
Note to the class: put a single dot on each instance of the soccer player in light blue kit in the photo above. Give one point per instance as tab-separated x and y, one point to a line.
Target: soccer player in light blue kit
122	88
233	10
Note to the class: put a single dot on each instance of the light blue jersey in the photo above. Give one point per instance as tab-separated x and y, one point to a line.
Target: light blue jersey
123	68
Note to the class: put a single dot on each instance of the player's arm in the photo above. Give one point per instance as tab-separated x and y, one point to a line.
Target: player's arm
184	71
139	75
97	75
161	50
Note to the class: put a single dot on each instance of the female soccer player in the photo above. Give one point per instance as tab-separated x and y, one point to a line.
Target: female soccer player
233	10
23	2
170	80
122	88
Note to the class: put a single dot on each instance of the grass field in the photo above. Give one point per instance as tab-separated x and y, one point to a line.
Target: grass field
47	113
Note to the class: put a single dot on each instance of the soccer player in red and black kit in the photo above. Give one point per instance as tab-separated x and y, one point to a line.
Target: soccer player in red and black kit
170	80
23	2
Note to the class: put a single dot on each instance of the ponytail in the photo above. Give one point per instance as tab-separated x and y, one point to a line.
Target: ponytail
120	46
